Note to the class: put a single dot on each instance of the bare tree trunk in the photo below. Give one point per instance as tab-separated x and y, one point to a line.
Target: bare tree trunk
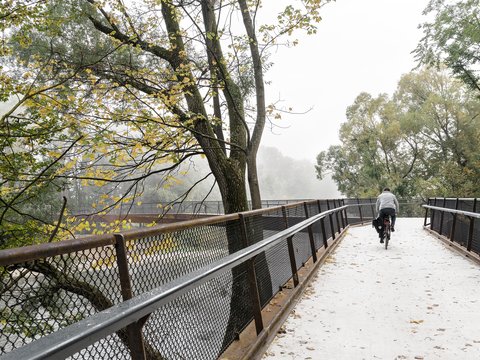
254	142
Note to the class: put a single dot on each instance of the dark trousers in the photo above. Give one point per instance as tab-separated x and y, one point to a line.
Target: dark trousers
383	214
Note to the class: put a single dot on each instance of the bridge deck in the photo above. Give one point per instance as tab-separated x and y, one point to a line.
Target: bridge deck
416	300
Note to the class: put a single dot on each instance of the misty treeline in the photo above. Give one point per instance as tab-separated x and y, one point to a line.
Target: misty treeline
424	140
281	178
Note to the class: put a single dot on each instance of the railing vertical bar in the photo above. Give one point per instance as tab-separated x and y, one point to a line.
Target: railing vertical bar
135	337
344	225
345	212
454	223
360	210
373	209
426	213
324	233
330	217
291	251
310	235
433	213
319	206
471	227
442	216
252	279
336	216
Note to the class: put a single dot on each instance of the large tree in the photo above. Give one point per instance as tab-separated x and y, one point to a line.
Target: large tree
114	91
423	141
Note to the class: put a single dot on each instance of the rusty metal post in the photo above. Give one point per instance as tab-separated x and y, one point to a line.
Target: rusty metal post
330	217
360	210
135	337
442	215
291	251
252	279
454	223
336	216
433	213
471	227
324	233
373	209
344	224
345	212
426	213
310	235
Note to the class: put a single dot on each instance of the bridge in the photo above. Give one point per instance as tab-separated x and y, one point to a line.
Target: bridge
417	300
223	286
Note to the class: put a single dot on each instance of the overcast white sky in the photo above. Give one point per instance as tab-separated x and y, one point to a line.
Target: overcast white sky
361	45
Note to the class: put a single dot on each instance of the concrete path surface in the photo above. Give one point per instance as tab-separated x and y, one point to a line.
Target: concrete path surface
416	300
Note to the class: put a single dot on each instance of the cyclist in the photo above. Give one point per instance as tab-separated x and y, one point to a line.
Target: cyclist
387	204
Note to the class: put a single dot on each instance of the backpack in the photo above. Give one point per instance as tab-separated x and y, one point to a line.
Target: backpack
377	224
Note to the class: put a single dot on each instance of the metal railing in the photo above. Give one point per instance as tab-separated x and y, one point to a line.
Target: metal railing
76	337
194	278
455	218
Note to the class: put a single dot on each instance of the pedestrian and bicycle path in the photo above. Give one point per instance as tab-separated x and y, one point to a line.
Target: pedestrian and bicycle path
417	300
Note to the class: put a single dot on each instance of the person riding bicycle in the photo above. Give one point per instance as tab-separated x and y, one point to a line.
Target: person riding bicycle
387	205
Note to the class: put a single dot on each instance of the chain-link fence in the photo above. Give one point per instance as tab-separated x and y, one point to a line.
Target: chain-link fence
50	286
459	227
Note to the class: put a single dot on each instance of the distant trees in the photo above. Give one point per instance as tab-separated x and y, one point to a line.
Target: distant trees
425	140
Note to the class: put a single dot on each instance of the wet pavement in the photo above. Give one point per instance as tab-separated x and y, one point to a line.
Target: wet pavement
416	300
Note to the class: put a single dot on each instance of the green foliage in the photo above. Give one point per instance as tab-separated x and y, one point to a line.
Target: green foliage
424	141
109	93
453	38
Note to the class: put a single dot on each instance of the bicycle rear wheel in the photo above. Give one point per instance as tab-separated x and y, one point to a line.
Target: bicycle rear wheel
387	234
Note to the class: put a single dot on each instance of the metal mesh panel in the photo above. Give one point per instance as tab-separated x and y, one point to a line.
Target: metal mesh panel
63	289
193	325
317	235
259	227
442	222
465	204
476	237
353	212
40	297
302	250
278	261
313	209
156	260
447	223
461	230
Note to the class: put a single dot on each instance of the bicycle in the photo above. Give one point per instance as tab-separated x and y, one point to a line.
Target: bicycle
387	230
